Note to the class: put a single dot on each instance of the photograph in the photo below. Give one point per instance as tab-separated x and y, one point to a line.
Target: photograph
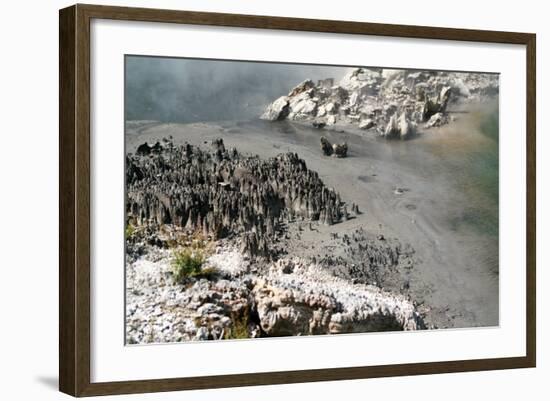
277	199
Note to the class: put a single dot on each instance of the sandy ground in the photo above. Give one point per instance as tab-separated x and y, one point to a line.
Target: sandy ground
455	274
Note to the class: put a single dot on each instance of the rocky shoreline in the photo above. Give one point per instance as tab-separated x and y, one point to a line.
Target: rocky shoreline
393	103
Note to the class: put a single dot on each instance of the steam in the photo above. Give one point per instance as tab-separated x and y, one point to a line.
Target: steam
190	90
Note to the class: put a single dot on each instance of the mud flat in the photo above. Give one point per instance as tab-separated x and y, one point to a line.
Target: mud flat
418	195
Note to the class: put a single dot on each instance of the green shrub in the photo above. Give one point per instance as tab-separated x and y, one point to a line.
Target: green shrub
189	263
129	231
186	263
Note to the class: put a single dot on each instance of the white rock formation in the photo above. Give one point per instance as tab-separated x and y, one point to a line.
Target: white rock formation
406	128
288	297
399	127
299	298
278	110
369	97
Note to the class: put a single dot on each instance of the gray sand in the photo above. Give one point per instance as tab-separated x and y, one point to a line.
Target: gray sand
455	274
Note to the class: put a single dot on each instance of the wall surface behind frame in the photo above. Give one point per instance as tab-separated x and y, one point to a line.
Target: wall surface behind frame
28	200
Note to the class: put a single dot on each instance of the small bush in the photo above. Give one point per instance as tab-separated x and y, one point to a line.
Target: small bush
186	263
129	231
189	263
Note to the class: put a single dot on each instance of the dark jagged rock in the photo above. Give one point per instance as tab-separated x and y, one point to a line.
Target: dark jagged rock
146	149
436	105
221	192
340	149
143	149
326	146
337	150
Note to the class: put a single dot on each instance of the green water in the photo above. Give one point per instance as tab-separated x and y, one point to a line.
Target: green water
480	179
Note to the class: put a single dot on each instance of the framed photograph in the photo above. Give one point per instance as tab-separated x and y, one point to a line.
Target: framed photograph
250	200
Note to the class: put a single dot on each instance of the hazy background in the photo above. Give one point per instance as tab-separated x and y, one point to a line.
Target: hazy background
189	90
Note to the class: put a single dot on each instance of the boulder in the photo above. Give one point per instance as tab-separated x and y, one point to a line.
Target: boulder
278	110
406	127
331	120
321	111
146	149
340	150
437	120
302	107
326	147
363	81
436	105
143	149
399	127
392	129
444	97
331	108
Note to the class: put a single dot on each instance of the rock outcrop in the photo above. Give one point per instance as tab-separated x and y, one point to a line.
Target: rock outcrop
337	149
399	127
340	149
278	110
288	297
221	192
369	97
326	146
297	298
437	104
